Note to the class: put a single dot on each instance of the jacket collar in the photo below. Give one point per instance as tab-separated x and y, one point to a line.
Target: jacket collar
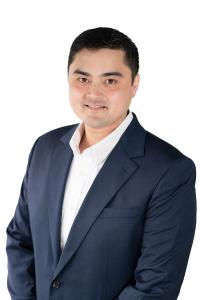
132	139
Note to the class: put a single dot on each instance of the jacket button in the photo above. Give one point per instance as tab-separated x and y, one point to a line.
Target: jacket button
56	284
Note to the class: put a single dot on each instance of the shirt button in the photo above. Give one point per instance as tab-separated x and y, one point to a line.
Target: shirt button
56	284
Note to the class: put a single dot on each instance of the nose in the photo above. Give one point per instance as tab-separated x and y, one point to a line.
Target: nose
94	90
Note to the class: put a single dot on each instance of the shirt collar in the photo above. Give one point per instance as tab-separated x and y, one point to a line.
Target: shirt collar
99	151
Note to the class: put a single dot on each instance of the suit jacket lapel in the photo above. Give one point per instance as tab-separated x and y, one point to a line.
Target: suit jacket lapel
118	163
57	175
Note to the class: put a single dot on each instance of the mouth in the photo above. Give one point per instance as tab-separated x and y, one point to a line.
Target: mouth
95	108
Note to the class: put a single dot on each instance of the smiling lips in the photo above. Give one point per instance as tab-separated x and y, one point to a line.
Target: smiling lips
96	107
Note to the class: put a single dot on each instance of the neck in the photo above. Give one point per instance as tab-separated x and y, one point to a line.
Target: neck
92	135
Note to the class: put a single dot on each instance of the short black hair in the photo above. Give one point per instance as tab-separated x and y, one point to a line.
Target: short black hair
106	37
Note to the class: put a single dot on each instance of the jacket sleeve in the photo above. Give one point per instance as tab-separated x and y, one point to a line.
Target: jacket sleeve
168	235
19	247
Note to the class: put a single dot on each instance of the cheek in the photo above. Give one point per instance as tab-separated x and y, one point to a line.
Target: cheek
75	93
113	93
116	96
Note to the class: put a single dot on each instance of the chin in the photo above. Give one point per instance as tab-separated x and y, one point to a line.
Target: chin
95	124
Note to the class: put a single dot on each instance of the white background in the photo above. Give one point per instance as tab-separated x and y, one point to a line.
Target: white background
34	46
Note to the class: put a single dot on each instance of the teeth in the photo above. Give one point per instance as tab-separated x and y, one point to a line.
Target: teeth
95	107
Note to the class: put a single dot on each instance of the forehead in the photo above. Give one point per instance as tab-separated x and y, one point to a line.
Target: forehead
99	59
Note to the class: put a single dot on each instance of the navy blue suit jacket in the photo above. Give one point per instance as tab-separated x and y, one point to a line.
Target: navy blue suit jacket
132	236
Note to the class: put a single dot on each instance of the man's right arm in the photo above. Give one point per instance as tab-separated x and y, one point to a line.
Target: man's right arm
19	247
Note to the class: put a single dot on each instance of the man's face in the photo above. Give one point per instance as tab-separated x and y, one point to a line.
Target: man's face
100	87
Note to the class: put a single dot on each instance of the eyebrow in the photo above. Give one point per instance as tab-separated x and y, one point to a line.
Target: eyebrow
78	71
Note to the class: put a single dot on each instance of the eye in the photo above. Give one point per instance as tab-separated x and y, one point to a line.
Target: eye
82	79
111	81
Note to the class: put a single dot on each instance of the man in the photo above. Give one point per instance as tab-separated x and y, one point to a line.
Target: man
107	210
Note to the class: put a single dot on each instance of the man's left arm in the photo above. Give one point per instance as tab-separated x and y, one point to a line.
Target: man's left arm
168	234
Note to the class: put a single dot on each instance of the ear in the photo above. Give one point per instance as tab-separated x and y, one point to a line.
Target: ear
135	84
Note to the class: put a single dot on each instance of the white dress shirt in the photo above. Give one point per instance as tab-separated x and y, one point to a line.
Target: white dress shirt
83	170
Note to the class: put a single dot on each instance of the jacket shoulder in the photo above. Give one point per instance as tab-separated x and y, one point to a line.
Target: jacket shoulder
51	138
57	132
161	150
164	160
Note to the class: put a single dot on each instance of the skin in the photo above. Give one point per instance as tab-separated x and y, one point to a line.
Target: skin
89	85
